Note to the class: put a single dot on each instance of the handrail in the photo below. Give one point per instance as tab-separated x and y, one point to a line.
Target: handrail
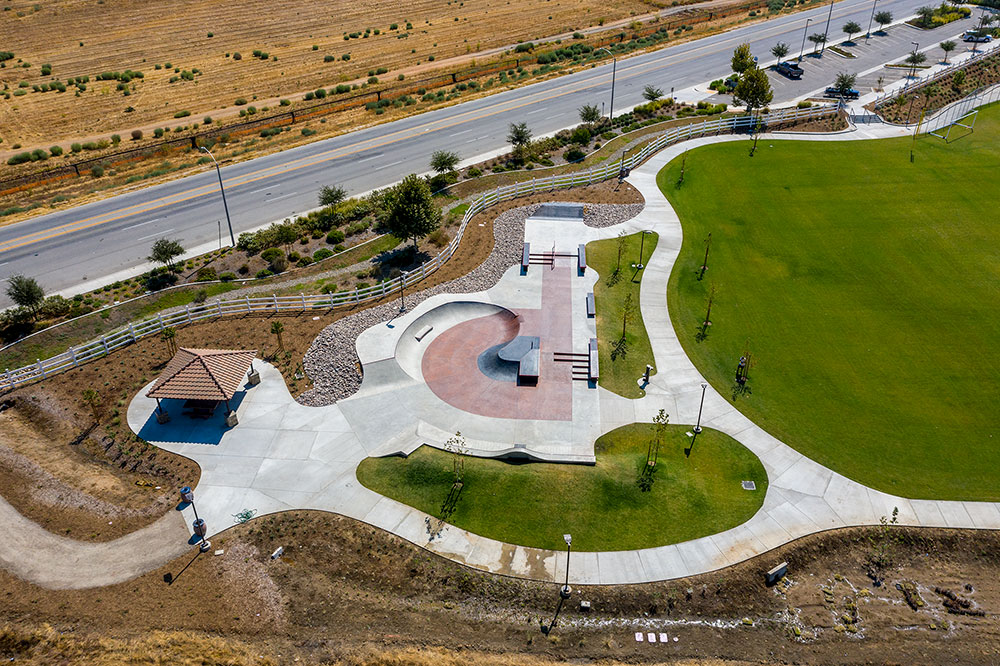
133	331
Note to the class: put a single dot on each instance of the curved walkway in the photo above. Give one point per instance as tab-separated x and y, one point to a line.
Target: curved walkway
284	455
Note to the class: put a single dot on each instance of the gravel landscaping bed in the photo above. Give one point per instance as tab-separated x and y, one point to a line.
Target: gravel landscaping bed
332	361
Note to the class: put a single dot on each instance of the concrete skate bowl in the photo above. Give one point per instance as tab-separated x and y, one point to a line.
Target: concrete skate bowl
464	324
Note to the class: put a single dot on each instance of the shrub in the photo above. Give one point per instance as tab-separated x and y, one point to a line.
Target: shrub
342	88
243	270
97	171
56	151
158	132
804	104
581	136
116	139
309	96
280	264
308	132
236	56
345	57
207	120
430	58
334	237
20	158
320	93
240	101
439	237
206	273
574	155
329	58
227	277
294	256
303	262
76	147
523	48
271	254
321	254
263	273
285	102
54	306
474	173
373	80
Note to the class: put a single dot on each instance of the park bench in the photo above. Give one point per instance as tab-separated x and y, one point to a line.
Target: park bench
591	310
581	258
525	258
592	353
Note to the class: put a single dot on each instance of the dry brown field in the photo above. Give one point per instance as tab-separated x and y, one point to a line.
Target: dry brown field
87	37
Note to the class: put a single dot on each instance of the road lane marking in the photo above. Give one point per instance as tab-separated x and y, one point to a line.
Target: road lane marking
462	132
158	233
386	166
142	224
283	196
373	157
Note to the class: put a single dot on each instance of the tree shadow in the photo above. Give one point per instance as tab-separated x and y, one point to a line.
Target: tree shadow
702	333
741	390
614	278
620	349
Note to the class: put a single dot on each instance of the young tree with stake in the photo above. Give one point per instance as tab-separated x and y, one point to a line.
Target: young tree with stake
779	51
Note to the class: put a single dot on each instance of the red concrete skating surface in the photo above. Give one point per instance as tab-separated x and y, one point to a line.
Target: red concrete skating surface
451	371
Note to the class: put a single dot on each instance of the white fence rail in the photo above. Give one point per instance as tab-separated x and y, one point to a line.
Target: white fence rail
75	356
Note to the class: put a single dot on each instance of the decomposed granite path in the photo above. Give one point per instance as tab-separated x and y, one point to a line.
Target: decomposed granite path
284	455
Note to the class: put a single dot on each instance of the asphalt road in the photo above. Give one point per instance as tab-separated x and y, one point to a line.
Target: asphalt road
84	246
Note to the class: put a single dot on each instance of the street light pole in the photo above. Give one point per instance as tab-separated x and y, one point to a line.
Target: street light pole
805	31
697	427
826	35
225	205
614	69
565	591
871	21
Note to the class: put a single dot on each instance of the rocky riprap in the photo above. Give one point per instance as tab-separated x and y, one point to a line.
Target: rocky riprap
332	360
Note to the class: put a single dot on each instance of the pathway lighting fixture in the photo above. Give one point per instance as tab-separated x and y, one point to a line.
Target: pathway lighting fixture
697	427
565	591
614	69
218	172
198	526
642	242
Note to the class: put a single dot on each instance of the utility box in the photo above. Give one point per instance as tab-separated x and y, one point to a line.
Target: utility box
776	574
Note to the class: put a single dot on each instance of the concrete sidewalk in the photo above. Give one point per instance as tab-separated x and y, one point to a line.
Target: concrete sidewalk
284	455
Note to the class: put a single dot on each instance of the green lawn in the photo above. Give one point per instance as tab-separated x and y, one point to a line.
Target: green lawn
619	371
866	287
534	504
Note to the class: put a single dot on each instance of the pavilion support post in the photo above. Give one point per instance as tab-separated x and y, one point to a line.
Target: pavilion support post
231	419
161	415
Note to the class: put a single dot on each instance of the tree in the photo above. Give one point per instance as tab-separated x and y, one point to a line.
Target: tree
164	252
851	28
169	335
779	51
519	136
926	15
652	93
589	113
25	292
817	38
915	58
754	90
844	83
410	209
92	399
444	161
286	234
277	328
331	195
628	312
883	19
742	59
947	46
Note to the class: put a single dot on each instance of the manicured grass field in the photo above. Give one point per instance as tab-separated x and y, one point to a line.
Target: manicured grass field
866	288
619	371
534	504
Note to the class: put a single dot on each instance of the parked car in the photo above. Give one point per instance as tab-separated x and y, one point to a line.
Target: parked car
789	69
974	36
836	92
